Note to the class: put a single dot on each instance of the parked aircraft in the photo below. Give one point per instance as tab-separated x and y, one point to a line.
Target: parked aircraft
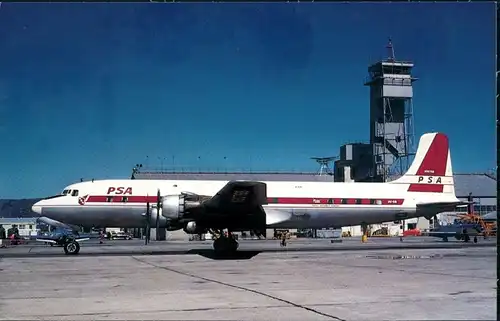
215	206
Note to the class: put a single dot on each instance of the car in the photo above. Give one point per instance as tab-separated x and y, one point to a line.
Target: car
120	235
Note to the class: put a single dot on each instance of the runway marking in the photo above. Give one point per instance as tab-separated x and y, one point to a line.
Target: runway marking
239	288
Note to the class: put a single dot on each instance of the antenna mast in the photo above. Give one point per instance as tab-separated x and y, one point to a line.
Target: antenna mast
390	50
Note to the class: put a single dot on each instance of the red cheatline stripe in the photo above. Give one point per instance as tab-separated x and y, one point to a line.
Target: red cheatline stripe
426	188
436	158
271	200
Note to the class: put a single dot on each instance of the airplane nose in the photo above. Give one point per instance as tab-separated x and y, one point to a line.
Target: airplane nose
37	209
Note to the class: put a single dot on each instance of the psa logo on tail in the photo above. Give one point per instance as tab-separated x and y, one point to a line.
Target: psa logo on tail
431	170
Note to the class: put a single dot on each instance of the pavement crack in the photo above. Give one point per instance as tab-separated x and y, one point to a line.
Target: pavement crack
240	288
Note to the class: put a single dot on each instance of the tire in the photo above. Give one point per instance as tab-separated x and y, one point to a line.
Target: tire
225	246
71	248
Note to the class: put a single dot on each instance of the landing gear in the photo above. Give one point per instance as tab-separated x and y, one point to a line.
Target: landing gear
71	247
225	245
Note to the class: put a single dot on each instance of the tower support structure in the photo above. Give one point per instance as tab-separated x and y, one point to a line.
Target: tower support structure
324	164
391	116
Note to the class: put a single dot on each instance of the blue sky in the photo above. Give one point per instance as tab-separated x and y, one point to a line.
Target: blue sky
88	90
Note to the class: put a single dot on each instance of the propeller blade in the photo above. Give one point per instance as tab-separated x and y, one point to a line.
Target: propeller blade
147	227
435	221
158	206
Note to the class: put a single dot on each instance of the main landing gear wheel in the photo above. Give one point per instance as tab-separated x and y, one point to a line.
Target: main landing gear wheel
225	245
71	248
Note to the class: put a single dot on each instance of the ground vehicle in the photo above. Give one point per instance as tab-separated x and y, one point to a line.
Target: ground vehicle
70	242
67	239
120	235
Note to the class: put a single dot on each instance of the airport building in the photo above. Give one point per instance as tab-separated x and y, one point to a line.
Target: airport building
27	226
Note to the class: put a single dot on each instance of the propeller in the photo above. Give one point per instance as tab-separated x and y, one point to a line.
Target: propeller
158	206
148	225
435	221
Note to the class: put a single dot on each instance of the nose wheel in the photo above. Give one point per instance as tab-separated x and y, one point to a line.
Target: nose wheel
225	245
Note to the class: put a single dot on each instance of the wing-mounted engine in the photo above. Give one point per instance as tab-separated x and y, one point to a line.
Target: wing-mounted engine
175	207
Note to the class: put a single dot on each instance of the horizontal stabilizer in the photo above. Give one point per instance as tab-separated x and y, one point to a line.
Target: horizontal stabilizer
458	203
443	206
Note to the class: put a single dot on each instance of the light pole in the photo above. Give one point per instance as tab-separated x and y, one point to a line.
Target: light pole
161	162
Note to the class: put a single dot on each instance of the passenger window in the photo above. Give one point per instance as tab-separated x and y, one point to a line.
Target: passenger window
124	199
109	199
74	193
372	201
22	226
330	201
358	201
344	201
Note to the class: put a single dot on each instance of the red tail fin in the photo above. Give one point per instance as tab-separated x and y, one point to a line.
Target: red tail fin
431	170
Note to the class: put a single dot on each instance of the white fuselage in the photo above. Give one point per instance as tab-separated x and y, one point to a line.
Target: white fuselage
122	203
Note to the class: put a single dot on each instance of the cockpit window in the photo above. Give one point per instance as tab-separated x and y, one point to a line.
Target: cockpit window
74	193
65	192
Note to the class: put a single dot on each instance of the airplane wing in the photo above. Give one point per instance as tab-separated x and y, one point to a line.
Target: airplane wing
245	198
241	197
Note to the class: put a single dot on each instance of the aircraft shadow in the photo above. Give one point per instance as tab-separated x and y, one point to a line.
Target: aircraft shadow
211	254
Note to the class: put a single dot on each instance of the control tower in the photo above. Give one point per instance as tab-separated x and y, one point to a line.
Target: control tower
391	116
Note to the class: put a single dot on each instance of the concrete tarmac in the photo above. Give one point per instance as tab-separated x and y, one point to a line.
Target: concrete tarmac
370	284
137	247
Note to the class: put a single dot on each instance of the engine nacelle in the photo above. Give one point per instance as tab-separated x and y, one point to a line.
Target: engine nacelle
174	207
193	228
